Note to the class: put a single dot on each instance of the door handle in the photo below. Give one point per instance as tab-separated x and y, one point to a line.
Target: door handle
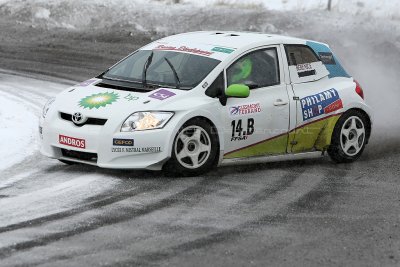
280	102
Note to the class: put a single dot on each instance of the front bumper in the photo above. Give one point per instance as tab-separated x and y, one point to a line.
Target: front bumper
150	149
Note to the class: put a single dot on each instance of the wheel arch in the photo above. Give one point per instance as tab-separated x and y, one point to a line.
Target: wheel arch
367	118
214	129
169	165
335	150
203	115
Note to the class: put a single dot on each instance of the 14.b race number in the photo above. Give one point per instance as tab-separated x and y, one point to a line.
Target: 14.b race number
238	132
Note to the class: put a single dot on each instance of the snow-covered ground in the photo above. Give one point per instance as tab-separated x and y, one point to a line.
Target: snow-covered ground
21	99
381	8
17	132
77	14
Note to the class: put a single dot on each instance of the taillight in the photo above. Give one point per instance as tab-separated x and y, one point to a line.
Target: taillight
359	90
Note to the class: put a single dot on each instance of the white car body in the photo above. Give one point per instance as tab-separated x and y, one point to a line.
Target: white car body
283	125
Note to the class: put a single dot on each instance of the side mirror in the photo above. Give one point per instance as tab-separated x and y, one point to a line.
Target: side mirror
238	90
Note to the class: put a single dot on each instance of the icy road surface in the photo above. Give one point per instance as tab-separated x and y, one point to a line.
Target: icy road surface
305	213
295	213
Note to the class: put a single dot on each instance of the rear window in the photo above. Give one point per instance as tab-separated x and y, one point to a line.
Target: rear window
300	54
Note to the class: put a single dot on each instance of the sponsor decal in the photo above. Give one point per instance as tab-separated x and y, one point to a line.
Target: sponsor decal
323	103
245	109
98	100
87	83
304	70
150	149
136	149
327	58
162	94
184	49
123	142
303	67
131	97
71	141
239	133
223	50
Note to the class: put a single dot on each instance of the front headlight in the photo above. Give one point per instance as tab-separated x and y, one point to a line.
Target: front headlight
47	107
148	120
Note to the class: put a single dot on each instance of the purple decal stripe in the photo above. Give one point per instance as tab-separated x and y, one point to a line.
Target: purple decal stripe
162	94
87	83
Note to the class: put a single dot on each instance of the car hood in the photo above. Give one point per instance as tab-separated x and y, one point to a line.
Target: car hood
99	102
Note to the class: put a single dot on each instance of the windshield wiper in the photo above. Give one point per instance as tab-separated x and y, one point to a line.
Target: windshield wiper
119	80
178	82
146	66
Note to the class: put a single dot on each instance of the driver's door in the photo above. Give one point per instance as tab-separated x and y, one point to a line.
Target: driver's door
257	125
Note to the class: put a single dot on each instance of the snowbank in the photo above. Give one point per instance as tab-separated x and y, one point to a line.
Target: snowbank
18	131
154	15
382	8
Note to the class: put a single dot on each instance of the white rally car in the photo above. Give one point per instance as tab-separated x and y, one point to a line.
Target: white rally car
189	102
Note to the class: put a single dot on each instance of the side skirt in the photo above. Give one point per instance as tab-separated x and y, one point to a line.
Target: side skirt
264	159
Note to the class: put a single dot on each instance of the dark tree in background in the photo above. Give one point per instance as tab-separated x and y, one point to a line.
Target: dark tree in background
329	5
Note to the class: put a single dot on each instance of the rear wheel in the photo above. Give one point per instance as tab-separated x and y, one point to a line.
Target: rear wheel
195	149
349	137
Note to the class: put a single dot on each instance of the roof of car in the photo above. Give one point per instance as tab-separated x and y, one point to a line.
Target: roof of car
232	39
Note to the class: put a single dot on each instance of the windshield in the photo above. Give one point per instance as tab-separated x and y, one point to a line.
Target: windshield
165	68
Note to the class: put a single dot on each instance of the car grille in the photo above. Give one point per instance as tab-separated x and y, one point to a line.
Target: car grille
90	121
92	157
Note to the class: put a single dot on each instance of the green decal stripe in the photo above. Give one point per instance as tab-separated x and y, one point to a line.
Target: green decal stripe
275	145
223	50
316	134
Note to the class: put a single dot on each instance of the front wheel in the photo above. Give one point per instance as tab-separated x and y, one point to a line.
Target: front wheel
349	137
195	149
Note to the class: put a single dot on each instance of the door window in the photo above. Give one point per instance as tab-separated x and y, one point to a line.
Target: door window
256	69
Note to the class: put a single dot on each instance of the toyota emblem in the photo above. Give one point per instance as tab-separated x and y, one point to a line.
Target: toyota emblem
77	118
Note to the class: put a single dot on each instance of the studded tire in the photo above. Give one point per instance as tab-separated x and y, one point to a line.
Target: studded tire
195	149
349	137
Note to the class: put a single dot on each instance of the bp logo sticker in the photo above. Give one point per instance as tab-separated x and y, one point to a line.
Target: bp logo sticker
98	100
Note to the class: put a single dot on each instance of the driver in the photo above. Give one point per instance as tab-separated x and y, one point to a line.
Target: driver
241	70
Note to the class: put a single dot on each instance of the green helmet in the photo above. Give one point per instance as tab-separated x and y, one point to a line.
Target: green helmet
243	70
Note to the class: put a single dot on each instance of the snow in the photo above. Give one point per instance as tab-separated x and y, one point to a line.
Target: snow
42	13
64	195
22	99
18	130
22	166
383	8
77	14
